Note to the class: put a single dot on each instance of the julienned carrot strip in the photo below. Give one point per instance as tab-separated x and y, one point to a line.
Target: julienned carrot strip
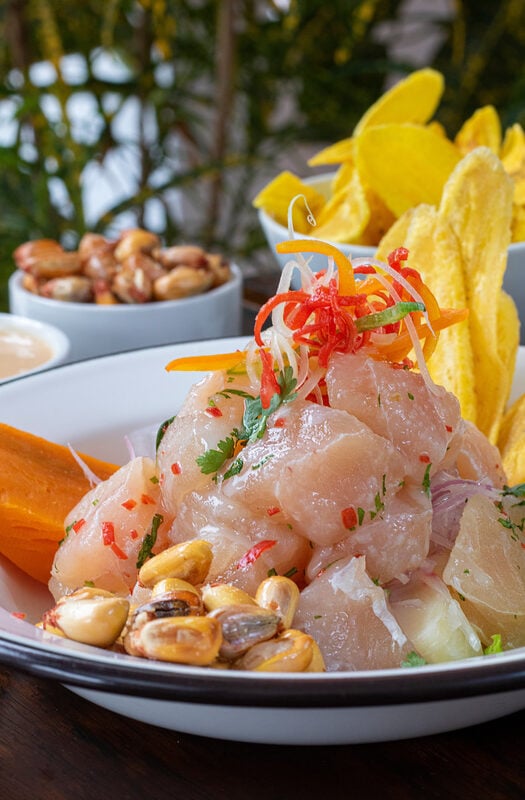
402	345
207	363
344	265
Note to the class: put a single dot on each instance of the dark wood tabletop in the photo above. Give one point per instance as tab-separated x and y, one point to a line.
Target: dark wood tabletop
56	746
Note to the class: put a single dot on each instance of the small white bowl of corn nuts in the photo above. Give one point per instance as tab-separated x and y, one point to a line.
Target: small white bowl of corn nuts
126	294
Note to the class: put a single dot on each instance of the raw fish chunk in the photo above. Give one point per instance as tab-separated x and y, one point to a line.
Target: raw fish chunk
398	405
119	512
394	543
486	568
349	617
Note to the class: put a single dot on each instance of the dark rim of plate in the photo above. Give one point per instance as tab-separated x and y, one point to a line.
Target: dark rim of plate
413	685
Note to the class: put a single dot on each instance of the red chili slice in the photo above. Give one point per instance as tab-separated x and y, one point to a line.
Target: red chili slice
108	533
254	552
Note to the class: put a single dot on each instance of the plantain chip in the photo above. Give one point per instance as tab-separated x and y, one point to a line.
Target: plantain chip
276	196
413	99
518	223
508	323
482	129
511	442
345	215
477	203
435	252
336	153
381	220
343	176
513	159
405	164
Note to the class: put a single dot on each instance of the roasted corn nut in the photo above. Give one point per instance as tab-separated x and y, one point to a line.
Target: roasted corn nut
91	616
293	651
28	253
182	281
169	585
219	595
190	561
317	663
188	254
132	286
281	595
135	240
182	640
243	627
71	288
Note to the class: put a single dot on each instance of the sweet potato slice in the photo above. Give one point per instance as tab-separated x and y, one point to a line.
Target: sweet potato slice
39	483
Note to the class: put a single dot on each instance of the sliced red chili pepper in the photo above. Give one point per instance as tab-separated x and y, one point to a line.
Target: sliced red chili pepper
146	500
78	524
254	552
213	411
118	552
349	517
108	533
176	468
129	504
424	458
269	385
273	510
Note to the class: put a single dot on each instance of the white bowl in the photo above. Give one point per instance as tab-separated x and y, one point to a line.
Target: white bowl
93	405
28	346
275	232
96	330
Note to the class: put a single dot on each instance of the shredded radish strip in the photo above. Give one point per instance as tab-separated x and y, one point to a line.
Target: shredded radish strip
93	479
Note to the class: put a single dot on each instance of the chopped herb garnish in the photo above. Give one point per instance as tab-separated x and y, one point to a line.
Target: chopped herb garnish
149	541
290	572
360	515
154	479
495	646
425	484
89	584
410	396
271	573
161	431
413	659
234	468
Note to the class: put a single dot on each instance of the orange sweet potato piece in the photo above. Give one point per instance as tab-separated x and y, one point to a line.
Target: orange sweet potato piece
39	483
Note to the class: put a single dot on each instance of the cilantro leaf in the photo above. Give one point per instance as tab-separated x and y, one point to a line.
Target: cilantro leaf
213	460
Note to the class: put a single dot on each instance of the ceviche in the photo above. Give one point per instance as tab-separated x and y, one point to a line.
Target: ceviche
317	503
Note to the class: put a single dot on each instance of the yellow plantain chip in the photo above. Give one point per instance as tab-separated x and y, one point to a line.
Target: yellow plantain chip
395	236
513	159
511	442
438	128
477	203
508	337
381	220
413	99
336	153
343	176
276	196
435	252
518	223
346	215
482	129
405	164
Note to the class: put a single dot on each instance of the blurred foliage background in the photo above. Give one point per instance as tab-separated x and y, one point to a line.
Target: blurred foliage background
171	115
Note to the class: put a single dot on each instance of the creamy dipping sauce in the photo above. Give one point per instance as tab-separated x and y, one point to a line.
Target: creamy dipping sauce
21	351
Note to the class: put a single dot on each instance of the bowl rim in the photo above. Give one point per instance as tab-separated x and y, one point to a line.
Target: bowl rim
233	284
119	673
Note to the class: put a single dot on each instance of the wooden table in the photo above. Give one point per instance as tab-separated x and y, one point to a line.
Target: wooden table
55	745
